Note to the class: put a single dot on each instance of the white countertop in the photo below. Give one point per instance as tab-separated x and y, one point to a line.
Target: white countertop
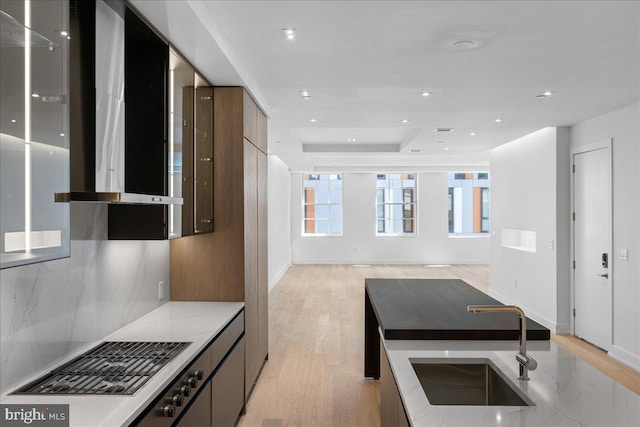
196	322
565	390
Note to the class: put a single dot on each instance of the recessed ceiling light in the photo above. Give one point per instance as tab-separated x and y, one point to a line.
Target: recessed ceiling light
312	120
498	120
425	94
545	94
404	121
351	140
415	150
35	95
13	120
305	94
472	134
62	134
289	33
64	33
446	148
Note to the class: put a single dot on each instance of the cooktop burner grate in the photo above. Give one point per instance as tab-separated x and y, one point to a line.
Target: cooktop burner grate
117	368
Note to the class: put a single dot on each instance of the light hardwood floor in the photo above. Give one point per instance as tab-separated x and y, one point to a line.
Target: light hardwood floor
316	320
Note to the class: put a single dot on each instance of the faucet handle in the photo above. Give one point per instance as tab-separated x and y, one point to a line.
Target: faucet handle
527	361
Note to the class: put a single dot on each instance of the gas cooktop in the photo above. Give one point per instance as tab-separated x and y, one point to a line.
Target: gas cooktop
113	368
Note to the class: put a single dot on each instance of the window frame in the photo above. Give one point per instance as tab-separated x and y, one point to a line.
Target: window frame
414	218
304	205
451	202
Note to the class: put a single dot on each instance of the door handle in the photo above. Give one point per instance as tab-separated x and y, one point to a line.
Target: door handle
605	275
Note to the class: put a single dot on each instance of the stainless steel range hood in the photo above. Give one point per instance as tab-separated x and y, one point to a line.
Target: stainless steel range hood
97	107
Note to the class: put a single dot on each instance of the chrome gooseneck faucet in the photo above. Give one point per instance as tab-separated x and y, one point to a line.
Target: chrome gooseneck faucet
527	363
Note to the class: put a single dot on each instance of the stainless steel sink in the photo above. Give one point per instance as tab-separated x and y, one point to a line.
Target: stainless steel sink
475	382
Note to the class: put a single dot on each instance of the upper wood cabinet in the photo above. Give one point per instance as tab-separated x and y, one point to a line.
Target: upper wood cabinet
255	123
230	264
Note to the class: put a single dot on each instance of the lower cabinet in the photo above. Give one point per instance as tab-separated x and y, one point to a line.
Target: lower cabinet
199	413
210	391
227	389
391	410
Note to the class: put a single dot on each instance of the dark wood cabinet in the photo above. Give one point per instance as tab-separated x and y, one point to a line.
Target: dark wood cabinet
227	389
230	264
392	412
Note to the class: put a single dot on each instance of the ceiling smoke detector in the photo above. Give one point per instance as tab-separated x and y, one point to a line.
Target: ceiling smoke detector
464	44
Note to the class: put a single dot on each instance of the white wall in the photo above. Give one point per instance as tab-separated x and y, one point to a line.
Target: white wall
624	127
359	244
279	220
530	191
50	309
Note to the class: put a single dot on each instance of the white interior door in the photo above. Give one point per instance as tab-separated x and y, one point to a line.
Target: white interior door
592	243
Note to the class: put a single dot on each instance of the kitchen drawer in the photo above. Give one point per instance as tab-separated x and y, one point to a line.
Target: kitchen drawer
227	388
223	342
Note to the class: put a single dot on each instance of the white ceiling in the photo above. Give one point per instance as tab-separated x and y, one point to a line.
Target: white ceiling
365	64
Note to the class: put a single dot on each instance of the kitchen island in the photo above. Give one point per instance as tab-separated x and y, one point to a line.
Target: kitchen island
432	309
565	390
198	323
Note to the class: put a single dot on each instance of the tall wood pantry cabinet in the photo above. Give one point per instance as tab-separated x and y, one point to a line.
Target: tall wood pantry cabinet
230	264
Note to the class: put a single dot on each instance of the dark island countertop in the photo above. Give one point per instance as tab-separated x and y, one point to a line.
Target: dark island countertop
433	309
436	309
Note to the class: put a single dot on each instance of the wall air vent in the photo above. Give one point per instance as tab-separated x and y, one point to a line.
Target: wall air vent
444	129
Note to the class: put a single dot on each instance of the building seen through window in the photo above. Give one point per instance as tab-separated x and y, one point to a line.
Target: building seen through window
396	204
468	203
322	204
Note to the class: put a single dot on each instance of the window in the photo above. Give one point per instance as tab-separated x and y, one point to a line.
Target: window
468	203
396	204
322	204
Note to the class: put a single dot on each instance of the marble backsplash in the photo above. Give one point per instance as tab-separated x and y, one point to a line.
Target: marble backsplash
49	310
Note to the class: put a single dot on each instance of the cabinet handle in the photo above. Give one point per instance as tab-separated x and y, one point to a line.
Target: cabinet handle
206	98
206	221
205	159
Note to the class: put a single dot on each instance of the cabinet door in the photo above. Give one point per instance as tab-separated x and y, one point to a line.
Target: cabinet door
262	131
186	122
250	114
199	413
203	161
227	388
263	278
389	397
251	263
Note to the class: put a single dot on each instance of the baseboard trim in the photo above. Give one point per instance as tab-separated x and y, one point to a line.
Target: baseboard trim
385	262
278	276
626	357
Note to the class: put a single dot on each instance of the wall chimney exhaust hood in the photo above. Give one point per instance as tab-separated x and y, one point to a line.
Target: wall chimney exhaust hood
104	169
